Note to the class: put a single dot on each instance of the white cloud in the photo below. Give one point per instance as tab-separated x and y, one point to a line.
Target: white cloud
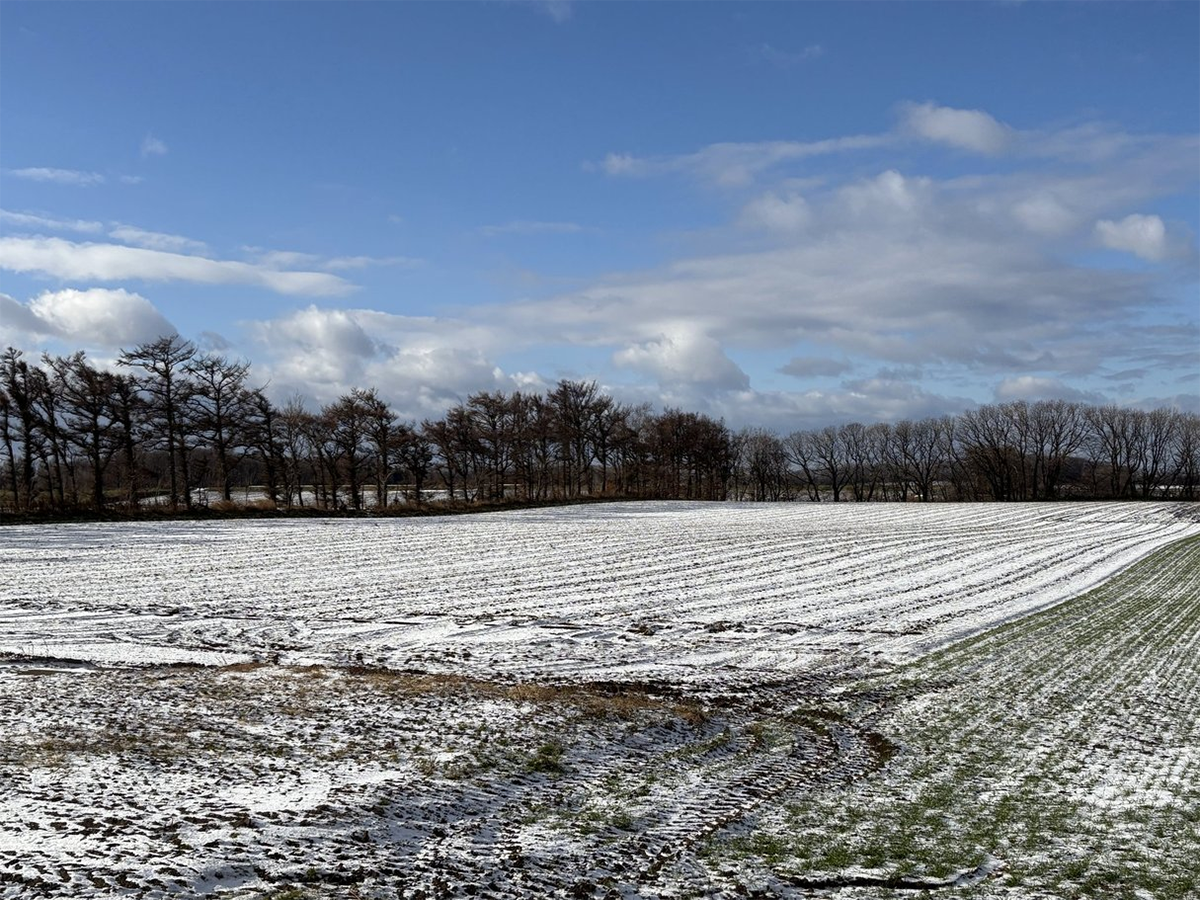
558	10
152	146
773	212
1143	236
966	129
154	240
892	269
422	364
1031	387
333	347
684	356
525	226
733	165
111	262
97	317
33	220
339	263
784	59
290	259
1043	213
282	259
887	195
623	164
59	176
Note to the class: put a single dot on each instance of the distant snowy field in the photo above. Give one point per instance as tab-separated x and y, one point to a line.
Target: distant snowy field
716	594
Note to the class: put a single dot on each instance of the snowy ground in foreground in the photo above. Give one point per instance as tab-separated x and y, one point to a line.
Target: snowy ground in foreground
714	593
707	704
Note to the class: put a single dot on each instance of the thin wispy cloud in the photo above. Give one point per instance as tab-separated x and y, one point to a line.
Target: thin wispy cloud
69	261
786	59
340	263
155	240
152	146
526	226
40	222
558	10
292	259
59	176
734	164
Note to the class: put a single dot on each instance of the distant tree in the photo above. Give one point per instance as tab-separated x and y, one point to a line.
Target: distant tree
829	446
1113	433
1154	450
168	390
347	425
382	442
765	461
21	384
803	454
265	435
220	409
416	456
1187	455
87	405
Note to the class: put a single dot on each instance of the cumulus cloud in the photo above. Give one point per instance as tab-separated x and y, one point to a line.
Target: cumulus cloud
97	317
900	270
59	176
71	261
313	345
684	356
1143	236
422	364
966	129
972	281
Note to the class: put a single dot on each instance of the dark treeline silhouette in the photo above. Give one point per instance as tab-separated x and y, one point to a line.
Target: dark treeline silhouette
180	428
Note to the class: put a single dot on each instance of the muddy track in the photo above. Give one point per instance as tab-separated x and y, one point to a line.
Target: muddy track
743	760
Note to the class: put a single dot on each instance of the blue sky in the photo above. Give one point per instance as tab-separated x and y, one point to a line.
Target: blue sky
785	214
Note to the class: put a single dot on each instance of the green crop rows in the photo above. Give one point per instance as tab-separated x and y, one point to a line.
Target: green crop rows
1056	756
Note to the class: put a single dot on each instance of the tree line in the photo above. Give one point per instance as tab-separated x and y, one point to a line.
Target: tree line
178	427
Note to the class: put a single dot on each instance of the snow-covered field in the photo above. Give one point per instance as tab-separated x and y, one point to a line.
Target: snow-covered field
603	701
681	592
